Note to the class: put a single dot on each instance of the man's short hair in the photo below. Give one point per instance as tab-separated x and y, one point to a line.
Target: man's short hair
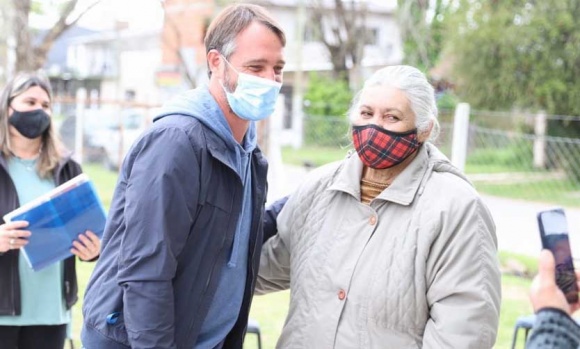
231	21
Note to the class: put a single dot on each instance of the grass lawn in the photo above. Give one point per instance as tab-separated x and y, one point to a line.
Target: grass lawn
312	155
270	310
557	192
104	181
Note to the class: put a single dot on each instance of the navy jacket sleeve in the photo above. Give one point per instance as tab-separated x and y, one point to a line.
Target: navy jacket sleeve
162	174
272	211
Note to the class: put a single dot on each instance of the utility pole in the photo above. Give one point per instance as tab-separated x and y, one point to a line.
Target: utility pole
5	13
298	93
119	26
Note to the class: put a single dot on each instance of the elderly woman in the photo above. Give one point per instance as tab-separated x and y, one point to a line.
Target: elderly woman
393	247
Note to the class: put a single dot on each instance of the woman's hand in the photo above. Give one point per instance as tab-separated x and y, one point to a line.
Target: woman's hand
87	246
12	237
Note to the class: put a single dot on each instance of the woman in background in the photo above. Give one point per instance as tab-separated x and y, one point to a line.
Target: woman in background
34	306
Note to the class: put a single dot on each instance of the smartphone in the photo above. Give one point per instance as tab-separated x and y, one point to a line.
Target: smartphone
554	235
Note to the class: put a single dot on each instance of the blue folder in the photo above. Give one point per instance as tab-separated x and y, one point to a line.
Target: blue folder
57	219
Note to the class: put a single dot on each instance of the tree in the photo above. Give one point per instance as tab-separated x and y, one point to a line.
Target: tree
183	34
343	32
422	24
30	53
522	54
327	102
4	28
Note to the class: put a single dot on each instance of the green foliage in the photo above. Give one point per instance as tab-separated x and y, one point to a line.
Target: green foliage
515	302
423	35
520	54
564	155
326	131
104	180
327	96
530	264
447	100
512	157
37	7
326	103
314	155
551	191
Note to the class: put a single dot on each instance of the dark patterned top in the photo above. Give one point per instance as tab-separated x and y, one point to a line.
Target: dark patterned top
554	329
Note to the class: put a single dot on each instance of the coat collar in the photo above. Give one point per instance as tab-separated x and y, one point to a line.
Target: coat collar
401	191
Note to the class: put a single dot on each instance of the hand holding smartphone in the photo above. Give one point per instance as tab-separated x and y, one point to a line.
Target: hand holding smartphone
554	235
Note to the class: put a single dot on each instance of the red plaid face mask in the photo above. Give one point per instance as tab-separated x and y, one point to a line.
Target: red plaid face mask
379	148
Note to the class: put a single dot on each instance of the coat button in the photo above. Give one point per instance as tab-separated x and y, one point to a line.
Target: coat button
373	220
341	295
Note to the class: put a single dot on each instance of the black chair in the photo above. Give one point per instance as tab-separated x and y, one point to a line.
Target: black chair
254	327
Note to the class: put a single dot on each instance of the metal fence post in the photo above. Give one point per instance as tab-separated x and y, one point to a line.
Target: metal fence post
276	175
298	91
460	136
540	125
81	99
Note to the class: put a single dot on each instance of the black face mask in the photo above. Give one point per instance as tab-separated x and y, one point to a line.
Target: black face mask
31	124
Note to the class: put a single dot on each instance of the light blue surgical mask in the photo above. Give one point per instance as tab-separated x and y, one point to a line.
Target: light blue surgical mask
254	98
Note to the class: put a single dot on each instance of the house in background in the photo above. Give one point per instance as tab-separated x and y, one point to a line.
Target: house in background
64	81
152	66
308	54
183	51
183	63
123	60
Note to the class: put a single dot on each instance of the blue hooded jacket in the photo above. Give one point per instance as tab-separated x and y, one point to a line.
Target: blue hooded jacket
170	232
227	300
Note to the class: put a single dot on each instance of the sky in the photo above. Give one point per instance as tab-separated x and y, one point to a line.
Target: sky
140	14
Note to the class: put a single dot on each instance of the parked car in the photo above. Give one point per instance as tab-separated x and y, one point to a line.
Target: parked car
111	132
108	133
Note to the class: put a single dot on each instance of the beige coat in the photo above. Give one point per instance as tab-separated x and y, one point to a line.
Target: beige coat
416	269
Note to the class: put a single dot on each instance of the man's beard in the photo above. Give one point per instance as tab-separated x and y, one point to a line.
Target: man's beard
228	84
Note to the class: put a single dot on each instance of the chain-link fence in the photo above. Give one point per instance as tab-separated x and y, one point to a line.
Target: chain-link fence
515	155
109	128
519	155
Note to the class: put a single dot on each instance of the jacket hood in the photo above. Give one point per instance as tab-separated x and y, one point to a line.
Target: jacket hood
201	105
440	163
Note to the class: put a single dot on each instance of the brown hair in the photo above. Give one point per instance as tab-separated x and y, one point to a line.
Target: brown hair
223	30
52	147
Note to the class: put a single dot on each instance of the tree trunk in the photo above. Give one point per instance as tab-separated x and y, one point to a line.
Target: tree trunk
29	57
343	32
24	58
41	51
